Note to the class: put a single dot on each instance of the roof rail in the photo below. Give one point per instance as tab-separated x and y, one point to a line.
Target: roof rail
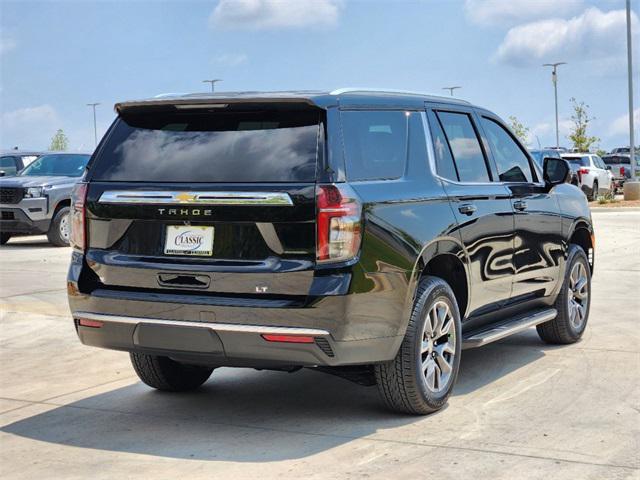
341	91
164	95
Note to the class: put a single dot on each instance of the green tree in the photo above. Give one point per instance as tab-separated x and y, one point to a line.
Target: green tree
59	142
582	142
519	129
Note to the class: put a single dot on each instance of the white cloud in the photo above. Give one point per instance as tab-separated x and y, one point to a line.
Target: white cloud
231	59
30	127
511	12
620	126
592	35
274	14
546	133
6	45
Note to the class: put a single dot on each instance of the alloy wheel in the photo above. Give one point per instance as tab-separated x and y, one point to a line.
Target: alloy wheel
578	295
438	347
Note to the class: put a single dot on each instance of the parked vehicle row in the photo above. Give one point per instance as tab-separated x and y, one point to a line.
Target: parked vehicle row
620	165
37	200
13	161
369	234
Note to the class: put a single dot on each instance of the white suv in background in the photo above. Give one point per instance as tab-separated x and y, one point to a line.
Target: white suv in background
595	176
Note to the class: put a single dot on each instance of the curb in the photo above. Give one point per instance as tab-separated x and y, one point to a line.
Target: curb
615	209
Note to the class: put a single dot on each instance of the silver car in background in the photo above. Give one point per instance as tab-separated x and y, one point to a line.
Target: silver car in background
37	200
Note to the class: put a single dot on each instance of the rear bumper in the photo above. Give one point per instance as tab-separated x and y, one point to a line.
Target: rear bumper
228	344
350	328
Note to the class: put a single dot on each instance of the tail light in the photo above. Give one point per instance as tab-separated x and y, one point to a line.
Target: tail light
622	171
583	171
78	238
338	222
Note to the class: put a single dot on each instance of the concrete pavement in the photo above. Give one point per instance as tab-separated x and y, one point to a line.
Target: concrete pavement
521	409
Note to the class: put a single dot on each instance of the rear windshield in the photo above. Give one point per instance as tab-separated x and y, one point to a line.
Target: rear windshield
272	146
578	161
617	160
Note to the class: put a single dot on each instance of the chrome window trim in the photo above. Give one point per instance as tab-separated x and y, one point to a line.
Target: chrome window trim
220	327
162	197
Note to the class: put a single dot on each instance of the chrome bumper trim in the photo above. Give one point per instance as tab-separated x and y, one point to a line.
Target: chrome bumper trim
219	327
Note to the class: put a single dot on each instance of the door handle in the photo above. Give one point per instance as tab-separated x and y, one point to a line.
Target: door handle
467	208
520	205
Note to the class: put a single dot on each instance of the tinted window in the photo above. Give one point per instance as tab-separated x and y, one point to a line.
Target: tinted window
375	144
513	164
7	162
578	161
57	166
598	162
617	160
465	147
260	146
444	160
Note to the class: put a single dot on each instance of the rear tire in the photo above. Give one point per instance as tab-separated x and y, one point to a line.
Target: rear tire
573	302
60	228
420	379
165	374
594	192
4	238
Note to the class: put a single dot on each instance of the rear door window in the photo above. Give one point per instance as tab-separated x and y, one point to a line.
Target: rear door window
465	147
444	159
250	146
375	144
513	164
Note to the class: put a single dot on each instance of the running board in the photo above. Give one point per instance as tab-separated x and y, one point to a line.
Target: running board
509	327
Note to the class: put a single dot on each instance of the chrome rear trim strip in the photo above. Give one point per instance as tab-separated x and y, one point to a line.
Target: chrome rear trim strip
147	197
218	327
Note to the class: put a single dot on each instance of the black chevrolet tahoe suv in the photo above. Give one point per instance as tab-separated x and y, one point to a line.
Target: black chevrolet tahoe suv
369	234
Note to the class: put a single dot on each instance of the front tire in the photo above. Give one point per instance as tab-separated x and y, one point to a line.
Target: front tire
420	378
60	228
165	374
573	302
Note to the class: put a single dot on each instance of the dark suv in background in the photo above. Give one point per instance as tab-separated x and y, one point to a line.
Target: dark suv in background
369	234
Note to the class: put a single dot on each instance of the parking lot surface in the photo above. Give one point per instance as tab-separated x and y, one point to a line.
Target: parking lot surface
521	409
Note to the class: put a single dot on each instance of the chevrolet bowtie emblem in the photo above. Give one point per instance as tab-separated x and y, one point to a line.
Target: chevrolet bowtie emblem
185	197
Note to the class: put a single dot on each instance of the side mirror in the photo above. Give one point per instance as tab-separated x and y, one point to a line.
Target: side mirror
608	167
556	171
2	173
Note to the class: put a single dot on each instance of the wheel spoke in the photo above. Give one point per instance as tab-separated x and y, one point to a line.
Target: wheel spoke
437	376
445	347
579	288
424	347
444	366
437	320
430	374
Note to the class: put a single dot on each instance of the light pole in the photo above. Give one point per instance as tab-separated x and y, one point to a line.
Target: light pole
95	128
554	79
632	145
212	82
451	89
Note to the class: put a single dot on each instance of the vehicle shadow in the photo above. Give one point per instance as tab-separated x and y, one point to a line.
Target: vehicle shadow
249	416
27	243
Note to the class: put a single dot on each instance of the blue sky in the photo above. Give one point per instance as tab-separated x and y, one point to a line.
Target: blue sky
57	56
